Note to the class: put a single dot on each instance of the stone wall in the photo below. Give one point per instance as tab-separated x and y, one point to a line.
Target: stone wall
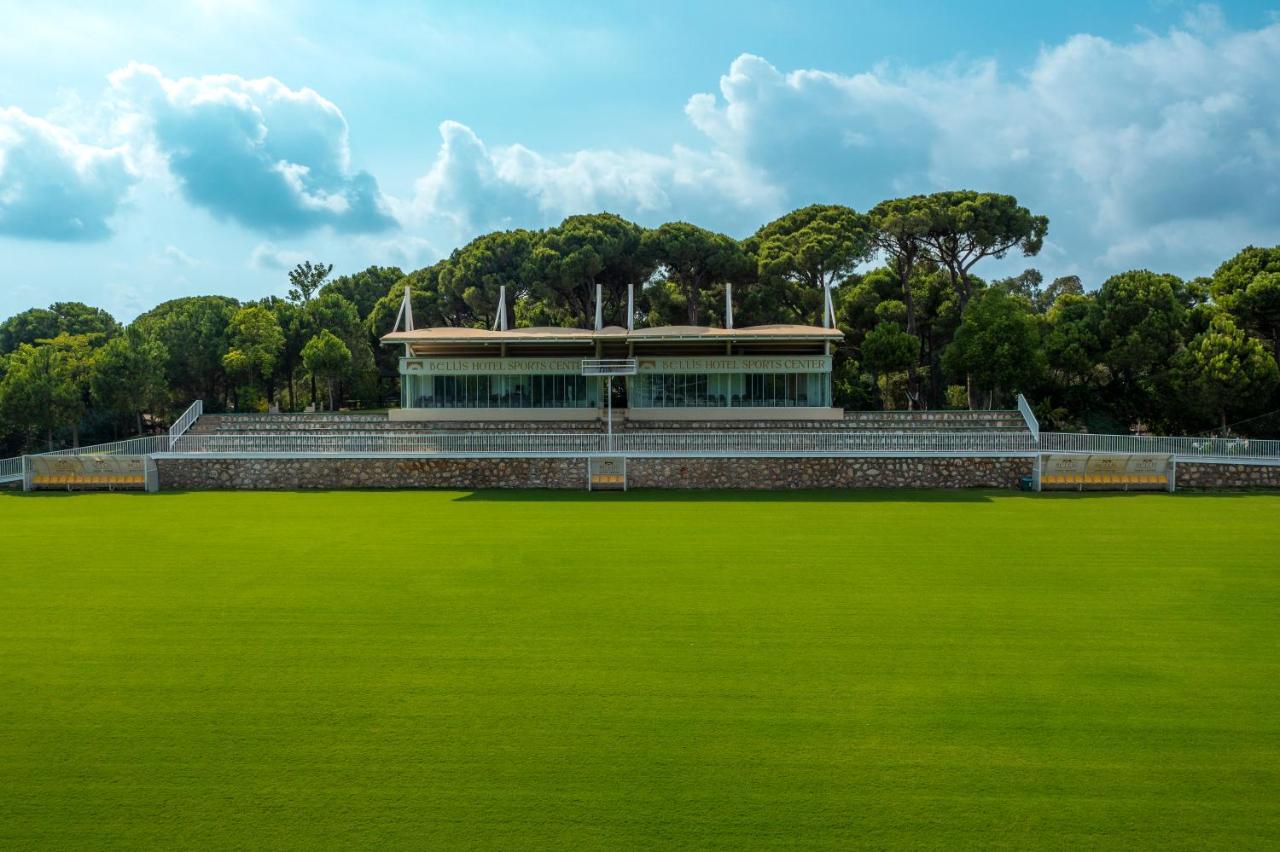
199	474
737	473
1217	477
787	473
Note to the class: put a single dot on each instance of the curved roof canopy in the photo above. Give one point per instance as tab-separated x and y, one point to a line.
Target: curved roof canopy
547	334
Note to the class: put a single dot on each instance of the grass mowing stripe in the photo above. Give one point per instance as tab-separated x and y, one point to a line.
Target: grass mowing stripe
545	670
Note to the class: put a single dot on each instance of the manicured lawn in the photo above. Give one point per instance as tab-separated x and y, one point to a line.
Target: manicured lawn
530	670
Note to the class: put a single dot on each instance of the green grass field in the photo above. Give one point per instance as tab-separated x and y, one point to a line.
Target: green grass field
530	670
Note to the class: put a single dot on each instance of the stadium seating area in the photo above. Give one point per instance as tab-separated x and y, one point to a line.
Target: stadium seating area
365	424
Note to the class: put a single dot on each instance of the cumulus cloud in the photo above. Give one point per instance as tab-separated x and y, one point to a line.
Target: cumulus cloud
1128	147
1161	150
1158	150
254	151
55	187
472	187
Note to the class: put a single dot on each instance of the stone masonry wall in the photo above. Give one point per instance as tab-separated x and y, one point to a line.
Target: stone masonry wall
787	473
738	473
1216	477
320	473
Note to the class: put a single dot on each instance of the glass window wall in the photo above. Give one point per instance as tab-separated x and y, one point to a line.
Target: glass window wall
500	391
731	390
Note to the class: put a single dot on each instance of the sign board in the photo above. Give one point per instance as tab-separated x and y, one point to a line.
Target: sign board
491	366
551	366
737	364
111	472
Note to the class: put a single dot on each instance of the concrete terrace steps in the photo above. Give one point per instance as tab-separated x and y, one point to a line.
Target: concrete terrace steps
366	424
308	424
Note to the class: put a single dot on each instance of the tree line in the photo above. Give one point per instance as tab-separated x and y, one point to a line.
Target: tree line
1142	350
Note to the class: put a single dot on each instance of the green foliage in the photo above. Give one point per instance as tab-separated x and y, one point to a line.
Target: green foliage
193	331
1141	326
888	349
476	272
997	345
41	391
1224	371
1117	355
305	279
365	288
570	259
128	377
328	358
1248	286
966	227
256	342
73	318
696	260
801	253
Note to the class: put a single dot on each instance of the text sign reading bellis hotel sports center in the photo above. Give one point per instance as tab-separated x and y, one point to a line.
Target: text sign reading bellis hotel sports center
518	366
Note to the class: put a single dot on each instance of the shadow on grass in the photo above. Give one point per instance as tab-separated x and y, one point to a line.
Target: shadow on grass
644	495
827	495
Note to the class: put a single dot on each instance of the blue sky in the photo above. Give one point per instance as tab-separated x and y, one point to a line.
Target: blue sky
149	151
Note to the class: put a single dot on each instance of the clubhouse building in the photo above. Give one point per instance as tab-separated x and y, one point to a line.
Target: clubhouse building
768	372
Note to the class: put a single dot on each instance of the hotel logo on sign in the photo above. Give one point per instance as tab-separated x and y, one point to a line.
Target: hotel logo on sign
738	364
493	366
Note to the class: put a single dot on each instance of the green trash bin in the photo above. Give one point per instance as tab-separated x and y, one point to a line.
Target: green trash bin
1026	483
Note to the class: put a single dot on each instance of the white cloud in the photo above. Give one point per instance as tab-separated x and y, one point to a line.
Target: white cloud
254	151
268	255
1157	151
177	257
1121	144
55	187
471	187
1162	150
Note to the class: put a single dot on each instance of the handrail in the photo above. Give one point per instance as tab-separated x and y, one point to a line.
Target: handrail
1183	448
1033	425
10	469
738	442
184	422
745	442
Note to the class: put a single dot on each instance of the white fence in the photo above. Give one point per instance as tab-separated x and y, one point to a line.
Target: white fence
1188	449
11	469
744	442
736	443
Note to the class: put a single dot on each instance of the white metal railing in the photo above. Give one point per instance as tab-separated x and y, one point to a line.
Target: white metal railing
183	423
1183	448
143	446
1029	416
741	442
10	469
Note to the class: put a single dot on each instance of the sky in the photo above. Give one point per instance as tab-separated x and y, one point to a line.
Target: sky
155	150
